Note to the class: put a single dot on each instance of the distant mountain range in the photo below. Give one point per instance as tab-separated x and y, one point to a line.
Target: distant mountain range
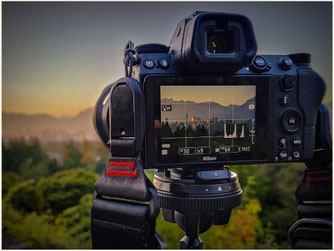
50	129
201	110
47	128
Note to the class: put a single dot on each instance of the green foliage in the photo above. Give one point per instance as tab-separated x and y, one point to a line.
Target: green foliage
17	152
25	197
9	179
65	189
75	221
47	204
241	232
53	166
31	170
38	232
101	165
73	157
170	232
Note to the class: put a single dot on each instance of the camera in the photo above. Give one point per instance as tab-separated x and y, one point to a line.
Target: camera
208	100
191	108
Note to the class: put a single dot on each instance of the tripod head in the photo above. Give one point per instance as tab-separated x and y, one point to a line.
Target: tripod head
197	199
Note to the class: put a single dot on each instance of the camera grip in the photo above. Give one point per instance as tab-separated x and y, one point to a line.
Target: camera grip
311	90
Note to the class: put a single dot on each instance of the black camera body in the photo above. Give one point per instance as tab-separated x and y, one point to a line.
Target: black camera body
190	108
207	100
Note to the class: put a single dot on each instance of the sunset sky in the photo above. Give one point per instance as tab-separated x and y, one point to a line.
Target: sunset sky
57	57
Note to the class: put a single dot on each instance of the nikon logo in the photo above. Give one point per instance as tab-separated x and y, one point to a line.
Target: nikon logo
208	158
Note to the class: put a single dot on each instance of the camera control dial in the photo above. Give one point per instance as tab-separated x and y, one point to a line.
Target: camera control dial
291	120
259	65
285	63
287	83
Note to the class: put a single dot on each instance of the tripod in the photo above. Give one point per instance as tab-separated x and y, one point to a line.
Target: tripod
197	199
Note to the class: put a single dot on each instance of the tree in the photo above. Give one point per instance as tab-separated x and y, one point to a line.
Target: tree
72	157
9	179
75	221
64	189
31	170
88	155
166	131
24	197
180	132
190	131
17	152
202	131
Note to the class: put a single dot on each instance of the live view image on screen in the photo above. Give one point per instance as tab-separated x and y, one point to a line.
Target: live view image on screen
206	123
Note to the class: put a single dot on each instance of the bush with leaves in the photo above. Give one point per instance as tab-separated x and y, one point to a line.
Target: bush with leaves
9	179
25	197
75	221
65	189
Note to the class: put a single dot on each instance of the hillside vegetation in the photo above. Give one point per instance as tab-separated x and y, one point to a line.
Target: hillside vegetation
47	202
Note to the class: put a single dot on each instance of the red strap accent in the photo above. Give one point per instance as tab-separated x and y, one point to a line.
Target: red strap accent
318	178
122	173
317	172
130	164
310	176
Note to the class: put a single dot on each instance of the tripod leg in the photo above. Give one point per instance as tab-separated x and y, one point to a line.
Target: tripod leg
190	223
191	243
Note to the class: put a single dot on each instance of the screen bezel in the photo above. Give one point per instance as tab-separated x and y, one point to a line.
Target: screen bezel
152	95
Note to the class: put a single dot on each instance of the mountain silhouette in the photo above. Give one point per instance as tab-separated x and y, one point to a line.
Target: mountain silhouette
201	110
48	128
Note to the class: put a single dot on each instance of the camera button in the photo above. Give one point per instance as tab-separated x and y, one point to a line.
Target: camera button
149	64
297	141
259	62
287	83
291	120
163	64
284	100
283	142
285	63
283	155
296	154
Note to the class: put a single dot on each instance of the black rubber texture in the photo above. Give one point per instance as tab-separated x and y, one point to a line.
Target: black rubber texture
311	90
151	48
121	225
133	188
122	147
210	203
300	58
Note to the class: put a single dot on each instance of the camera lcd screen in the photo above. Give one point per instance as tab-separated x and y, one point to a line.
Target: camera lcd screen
206	123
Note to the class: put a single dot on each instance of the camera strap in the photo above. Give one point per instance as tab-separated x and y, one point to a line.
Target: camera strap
125	202
314	194
125	206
